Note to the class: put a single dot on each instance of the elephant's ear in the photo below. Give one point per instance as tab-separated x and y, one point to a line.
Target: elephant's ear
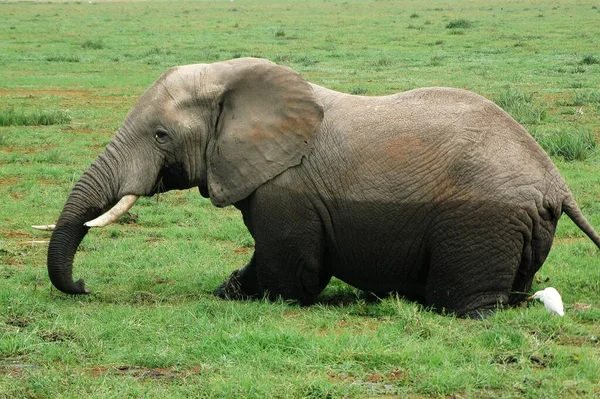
268	116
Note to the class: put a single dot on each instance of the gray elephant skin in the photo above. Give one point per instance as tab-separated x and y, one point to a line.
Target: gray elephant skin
436	194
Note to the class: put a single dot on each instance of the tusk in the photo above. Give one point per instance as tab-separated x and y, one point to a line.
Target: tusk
44	227
114	213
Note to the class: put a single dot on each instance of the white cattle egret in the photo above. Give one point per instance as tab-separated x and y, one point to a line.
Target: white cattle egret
551	300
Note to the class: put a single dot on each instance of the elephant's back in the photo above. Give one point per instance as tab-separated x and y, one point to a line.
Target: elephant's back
429	144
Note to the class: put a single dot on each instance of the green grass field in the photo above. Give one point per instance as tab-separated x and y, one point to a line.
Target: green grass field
69	72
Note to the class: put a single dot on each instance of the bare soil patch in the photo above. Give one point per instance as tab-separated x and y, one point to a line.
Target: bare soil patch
17	92
15	234
143	372
9	181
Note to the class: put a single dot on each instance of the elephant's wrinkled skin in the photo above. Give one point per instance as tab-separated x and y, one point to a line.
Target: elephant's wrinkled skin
434	193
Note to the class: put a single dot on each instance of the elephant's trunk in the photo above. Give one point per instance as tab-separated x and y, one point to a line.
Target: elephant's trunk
61	252
94	192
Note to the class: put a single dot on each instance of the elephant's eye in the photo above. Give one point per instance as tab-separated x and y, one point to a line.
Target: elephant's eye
161	136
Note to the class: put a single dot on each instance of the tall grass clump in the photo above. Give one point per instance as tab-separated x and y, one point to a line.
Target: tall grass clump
384	62
569	144
589	60
358	91
283	58
93	44
521	107
12	117
583	98
63	58
305	60
459	24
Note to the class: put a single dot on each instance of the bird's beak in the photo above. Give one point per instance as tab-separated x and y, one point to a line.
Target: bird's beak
530	298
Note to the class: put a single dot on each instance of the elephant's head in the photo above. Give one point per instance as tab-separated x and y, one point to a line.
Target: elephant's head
226	127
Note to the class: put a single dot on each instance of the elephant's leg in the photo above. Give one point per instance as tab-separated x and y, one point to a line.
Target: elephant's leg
472	269
241	284
292	273
535	252
288	260
289	246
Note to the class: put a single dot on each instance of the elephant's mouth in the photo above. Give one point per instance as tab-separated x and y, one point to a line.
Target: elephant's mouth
168	179
171	177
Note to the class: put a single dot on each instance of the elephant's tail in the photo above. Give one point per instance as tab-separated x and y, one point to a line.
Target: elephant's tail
572	210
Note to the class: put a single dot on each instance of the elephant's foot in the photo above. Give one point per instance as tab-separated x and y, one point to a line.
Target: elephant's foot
236	287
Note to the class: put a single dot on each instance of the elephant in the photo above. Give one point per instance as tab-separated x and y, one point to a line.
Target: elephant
435	194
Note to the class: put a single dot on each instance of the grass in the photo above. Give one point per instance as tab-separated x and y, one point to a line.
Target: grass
13	117
570	144
152	327
586	98
521	107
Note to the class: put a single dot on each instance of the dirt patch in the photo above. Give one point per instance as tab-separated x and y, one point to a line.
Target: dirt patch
577	340
143	372
291	313
569	240
32	93
78	130
15	234
389	377
562	97
27	150
154	240
180	200
47	182
57	336
581	306
14	262
70	98
15	368
243	250
9	181
18	321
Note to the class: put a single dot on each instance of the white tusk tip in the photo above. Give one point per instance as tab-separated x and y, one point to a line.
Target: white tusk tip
44	227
